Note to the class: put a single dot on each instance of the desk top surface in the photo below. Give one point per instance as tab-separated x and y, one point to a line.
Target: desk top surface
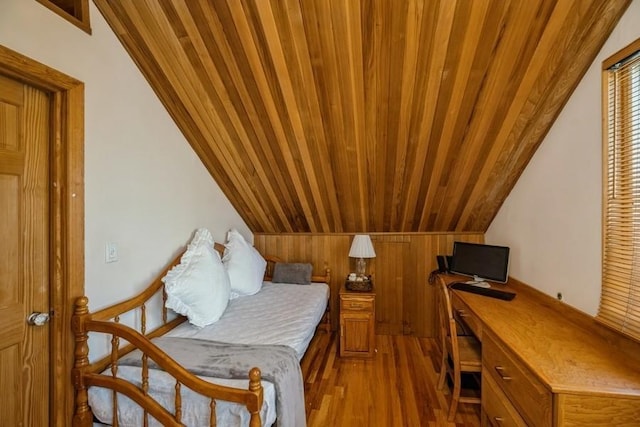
567	350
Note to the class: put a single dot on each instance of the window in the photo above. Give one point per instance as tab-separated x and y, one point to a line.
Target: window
620	298
74	11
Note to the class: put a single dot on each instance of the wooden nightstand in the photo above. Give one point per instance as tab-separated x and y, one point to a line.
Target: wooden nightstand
357	323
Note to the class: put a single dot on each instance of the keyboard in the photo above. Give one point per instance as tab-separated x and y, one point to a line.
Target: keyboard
490	292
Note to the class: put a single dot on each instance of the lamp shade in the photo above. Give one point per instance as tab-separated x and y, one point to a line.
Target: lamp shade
361	247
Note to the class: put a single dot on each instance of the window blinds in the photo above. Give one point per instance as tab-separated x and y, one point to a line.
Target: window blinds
620	298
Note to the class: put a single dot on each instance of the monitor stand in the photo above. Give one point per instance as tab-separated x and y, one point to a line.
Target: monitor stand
479	282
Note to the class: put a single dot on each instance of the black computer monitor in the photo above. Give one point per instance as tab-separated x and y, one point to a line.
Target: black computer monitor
482	262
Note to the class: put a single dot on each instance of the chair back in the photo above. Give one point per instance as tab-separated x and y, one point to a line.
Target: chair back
448	325
460	354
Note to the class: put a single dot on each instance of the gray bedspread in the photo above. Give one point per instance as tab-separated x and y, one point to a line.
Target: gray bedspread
278	364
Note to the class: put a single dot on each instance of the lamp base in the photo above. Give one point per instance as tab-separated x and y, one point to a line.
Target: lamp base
361	267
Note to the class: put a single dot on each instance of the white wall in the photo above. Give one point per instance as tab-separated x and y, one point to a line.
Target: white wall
552	218
145	188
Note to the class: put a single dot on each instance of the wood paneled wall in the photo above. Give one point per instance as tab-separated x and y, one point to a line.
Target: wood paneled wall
405	302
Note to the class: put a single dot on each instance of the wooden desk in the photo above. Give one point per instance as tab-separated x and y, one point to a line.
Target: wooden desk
547	364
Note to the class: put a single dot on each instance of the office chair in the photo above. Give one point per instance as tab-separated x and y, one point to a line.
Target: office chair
464	352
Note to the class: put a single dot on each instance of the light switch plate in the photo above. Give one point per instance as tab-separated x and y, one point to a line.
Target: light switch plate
111	252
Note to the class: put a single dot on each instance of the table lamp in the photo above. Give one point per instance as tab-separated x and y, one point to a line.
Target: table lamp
361	248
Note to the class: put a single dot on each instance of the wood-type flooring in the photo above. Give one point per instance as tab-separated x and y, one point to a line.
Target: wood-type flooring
398	387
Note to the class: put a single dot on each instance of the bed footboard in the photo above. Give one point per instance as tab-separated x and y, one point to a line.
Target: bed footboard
86	375
107	321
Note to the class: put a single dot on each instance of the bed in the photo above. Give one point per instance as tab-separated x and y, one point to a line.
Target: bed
148	377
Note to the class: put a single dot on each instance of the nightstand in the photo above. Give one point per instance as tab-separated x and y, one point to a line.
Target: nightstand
357	323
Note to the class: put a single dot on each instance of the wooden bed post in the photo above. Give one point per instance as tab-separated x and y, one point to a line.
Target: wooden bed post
255	386
326	321
82	417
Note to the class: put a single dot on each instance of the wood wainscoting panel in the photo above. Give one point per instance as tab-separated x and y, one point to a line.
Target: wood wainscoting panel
405	302
388	270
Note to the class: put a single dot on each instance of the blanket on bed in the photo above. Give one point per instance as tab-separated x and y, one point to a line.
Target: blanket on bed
278	364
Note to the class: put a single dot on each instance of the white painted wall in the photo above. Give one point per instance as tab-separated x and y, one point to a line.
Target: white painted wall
552	218
145	188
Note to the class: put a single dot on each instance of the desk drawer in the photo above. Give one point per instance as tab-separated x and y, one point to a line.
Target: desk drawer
462	312
528	395
359	304
497	408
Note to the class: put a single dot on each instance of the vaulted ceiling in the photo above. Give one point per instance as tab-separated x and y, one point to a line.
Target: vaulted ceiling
364	115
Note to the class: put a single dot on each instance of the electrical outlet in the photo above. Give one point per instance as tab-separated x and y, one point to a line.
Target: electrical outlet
111	252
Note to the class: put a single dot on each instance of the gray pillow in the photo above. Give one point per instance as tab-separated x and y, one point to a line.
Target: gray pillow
292	272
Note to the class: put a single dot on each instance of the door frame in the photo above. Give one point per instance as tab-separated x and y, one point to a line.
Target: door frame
66	218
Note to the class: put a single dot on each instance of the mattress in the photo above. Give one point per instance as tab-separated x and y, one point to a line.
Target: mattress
266	317
280	314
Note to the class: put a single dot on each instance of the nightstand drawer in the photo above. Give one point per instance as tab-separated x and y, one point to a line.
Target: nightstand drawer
360	304
529	396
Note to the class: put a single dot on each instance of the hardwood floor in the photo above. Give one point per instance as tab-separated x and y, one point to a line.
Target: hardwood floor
396	388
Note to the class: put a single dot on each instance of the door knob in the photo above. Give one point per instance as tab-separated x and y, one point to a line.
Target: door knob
38	319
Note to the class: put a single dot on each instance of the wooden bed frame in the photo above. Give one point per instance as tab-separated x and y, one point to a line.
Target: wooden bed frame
107	321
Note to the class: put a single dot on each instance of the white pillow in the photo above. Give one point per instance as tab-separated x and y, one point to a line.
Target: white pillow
199	286
244	264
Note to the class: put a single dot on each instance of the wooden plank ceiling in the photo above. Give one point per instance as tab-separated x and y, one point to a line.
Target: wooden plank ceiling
364	115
